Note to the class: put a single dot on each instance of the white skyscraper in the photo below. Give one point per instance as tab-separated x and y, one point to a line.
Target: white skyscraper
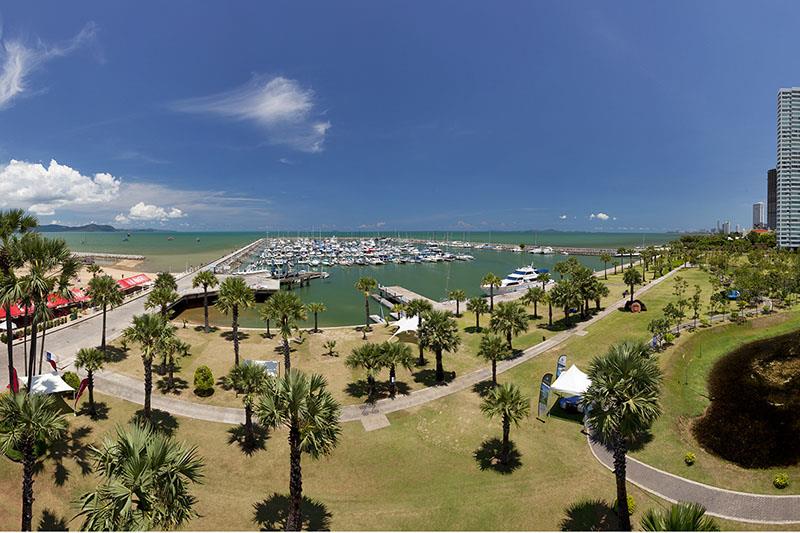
788	168
758	215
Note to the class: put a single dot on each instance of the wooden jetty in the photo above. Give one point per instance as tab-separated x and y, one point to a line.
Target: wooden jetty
302	278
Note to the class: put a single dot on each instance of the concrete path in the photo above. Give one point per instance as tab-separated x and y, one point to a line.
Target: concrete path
728	504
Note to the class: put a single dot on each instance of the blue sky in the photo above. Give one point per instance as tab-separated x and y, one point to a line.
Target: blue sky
392	115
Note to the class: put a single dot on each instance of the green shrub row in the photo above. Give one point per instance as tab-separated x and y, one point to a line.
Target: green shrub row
18	333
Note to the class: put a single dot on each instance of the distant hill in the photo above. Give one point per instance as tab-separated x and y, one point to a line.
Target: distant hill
47	228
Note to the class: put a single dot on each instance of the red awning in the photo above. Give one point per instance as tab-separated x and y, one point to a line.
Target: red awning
133	281
54	301
16	312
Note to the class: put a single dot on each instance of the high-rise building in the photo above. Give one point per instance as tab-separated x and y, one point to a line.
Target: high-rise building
788	169
772	199
726	227
758	215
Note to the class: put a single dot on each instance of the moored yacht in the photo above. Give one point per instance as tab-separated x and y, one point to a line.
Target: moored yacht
521	279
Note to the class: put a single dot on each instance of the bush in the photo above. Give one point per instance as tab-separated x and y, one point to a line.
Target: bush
689	458
781	480
705	322
203	381
631	505
72	379
669	338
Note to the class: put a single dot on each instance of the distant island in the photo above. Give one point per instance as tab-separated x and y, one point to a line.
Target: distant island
86	228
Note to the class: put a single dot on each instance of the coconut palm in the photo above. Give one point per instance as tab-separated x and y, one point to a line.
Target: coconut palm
418	307
94	269
365	286
161	297
368	357
682	516
148	331
288	310
395	354
249	380
304	406
235	295
478	306
459	296
492	281
606	258
509	404
91	360
533	296
632	278
510	318
493	348
439	333
623	400
25	420
145	480
205	279
104	292
316	308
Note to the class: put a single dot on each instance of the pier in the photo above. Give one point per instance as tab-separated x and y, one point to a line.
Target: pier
91	257
395	294
301	278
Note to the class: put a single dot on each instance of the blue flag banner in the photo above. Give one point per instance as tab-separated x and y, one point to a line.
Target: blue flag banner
561	365
544	393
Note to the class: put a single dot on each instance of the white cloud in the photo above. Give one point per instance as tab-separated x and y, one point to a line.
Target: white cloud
149	212
599	216
43	189
18	61
284	108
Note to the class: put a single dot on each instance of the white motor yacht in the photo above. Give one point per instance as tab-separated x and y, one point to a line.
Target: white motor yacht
521	279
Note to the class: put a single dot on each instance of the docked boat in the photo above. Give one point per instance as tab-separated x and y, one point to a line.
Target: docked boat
521	279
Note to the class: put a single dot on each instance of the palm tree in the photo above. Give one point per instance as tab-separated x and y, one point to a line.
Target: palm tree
439	333
161	297
565	295
172	349
368	357
288	310
478	306
544	277
547	299
491	280
235	295
25	420
249	380
365	286
621	253
165	279
632	277
91	360
304	406
533	296
395	354
418	307
316	308
94	269
459	296
205	279
682	516
147	330
104	292
510	319
145	481
493	348
599	291
623	397
267	314
507	402
606	258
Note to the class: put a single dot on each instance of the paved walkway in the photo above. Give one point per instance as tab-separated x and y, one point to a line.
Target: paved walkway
728	504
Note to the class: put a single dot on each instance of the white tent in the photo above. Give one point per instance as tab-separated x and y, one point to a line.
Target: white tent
406	324
272	367
573	382
46	384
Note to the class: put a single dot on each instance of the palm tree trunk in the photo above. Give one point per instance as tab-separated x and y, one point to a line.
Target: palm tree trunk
236	335
392	378
10	345
605	270
491	298
477	321
632	285
269	334
103	334
506	431
316	329
439	367
205	307
294	520
32	356
170	375
25	338
623	513
366	316
90	386
248	420
494	371
370	387
508	340
41	348
421	361
287	360
535	309
458	313
28	463
550	313
148	386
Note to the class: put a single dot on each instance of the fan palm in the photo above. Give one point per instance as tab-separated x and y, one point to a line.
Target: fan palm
395	354
91	360
249	380
533	296
146	478
492	348
316	308
606	258
205	279
459	296
565	295
266	314
418	307
682	516
172	349
509	319
165	279
235	295
368	357
365	286
288	310
544	278
439	333
304	406
25	420
161	297
492	281
478	306
509	404
94	269
104	292
623	400
632	278
547	299
148	330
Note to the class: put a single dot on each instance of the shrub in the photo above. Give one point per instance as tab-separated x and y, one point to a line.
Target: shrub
689	458
72	379
705	322
669	338
203	381
781	480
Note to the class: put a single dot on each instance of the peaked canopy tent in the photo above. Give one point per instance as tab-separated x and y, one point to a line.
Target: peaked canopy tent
406	324
134	282
573	382
50	383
